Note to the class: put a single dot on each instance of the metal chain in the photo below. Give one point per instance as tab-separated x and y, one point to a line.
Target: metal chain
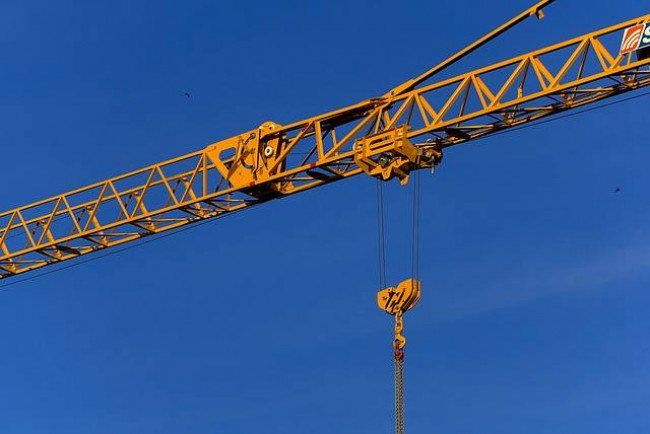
399	342
399	394
398	345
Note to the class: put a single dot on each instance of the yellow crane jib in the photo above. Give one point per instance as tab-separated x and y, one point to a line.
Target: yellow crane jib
428	113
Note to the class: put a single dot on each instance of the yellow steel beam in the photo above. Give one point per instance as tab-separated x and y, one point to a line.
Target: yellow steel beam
533	11
385	137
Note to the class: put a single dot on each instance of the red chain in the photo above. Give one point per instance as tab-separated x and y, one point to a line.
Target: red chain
399	352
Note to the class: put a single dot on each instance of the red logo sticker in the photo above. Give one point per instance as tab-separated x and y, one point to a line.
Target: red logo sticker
632	39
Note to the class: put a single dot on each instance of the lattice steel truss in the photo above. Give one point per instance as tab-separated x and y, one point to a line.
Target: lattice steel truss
274	161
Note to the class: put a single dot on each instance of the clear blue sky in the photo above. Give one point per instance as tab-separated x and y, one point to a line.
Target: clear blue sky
534	317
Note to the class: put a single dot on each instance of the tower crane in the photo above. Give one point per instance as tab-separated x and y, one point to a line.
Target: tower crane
386	137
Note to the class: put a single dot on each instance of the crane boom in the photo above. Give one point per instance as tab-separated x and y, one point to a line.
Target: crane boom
385	137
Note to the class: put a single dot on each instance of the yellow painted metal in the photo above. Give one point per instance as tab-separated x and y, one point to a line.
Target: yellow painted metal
397	301
385	137
534	11
245	160
371	155
400	299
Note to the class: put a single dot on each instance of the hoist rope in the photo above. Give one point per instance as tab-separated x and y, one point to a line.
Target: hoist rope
381	234
415	242
398	345
415	271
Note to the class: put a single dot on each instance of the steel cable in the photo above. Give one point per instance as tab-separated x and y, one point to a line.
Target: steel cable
381	234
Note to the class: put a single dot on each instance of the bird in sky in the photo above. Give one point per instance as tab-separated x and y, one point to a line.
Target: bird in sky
187	94
618	190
